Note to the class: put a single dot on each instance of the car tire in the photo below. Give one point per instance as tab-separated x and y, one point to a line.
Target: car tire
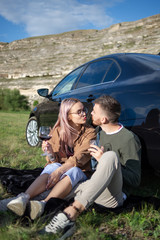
32	132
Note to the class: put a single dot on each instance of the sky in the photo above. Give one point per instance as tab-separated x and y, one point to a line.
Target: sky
28	18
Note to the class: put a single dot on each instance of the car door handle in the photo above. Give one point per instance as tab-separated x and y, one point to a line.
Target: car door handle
90	98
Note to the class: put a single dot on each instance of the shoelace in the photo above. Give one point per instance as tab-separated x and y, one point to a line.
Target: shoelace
55	224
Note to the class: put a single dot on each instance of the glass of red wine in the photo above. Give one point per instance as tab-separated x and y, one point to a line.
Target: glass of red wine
94	142
44	135
93	160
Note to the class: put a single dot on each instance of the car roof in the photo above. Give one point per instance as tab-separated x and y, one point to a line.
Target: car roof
129	55
139	61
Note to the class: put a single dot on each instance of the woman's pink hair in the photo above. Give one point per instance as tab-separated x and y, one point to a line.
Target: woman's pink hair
66	131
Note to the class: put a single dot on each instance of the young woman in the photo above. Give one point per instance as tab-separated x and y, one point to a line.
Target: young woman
69	149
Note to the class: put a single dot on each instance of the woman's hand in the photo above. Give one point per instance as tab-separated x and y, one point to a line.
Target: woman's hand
46	146
96	152
53	178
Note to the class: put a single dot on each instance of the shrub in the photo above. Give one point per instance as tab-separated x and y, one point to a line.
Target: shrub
35	103
12	100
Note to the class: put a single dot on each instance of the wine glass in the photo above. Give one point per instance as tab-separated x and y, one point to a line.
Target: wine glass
44	135
94	142
93	160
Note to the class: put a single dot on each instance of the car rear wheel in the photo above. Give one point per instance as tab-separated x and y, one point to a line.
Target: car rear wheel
32	132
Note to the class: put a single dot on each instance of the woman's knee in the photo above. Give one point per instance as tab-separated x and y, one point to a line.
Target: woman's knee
44	175
78	172
76	175
50	168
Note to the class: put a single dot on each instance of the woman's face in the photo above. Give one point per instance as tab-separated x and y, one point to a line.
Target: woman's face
77	115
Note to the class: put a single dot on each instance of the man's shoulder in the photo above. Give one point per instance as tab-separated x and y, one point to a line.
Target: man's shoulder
126	131
129	135
124	134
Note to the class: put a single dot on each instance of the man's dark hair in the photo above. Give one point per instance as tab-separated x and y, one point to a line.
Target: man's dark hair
111	106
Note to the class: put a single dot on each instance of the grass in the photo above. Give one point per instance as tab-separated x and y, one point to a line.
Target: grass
91	225
14	150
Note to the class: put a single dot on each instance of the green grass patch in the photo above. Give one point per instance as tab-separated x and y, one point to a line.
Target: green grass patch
91	225
14	150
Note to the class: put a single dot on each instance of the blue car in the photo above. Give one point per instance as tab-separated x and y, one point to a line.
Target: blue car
132	78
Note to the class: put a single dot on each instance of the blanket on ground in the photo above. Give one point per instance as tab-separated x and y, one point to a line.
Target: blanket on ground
17	181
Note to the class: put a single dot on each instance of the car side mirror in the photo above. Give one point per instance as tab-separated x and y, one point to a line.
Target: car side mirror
43	92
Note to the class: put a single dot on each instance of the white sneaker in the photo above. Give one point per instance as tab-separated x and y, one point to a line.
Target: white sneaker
18	205
36	209
60	224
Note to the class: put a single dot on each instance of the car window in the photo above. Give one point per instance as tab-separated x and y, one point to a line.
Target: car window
66	84
112	73
94	73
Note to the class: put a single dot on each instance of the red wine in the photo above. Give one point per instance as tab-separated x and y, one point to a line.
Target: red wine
45	138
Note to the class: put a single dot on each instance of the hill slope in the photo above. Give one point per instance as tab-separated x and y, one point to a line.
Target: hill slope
32	63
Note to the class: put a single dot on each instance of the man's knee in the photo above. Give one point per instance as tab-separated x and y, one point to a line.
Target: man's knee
109	157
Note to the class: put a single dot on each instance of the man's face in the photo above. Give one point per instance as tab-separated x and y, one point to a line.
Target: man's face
96	115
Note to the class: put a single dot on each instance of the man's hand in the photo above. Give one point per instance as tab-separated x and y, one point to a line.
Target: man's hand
96	152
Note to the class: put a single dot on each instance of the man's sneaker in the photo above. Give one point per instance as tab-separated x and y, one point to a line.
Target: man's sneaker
36	209
18	205
60	224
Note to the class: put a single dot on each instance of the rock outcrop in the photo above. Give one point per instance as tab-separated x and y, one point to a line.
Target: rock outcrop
36	62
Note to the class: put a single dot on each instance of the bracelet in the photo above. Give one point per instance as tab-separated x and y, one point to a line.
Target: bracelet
76	208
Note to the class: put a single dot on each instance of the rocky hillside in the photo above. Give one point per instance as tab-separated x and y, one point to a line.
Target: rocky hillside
36	62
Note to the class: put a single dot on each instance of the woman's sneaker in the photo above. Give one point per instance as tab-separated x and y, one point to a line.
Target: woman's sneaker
18	205
4	202
36	209
60	224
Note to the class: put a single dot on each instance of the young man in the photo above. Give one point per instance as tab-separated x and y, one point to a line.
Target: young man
118	169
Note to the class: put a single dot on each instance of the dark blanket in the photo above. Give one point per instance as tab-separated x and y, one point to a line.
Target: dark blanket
17	181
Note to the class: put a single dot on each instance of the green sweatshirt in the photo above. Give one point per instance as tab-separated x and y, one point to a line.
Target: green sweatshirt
128	149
